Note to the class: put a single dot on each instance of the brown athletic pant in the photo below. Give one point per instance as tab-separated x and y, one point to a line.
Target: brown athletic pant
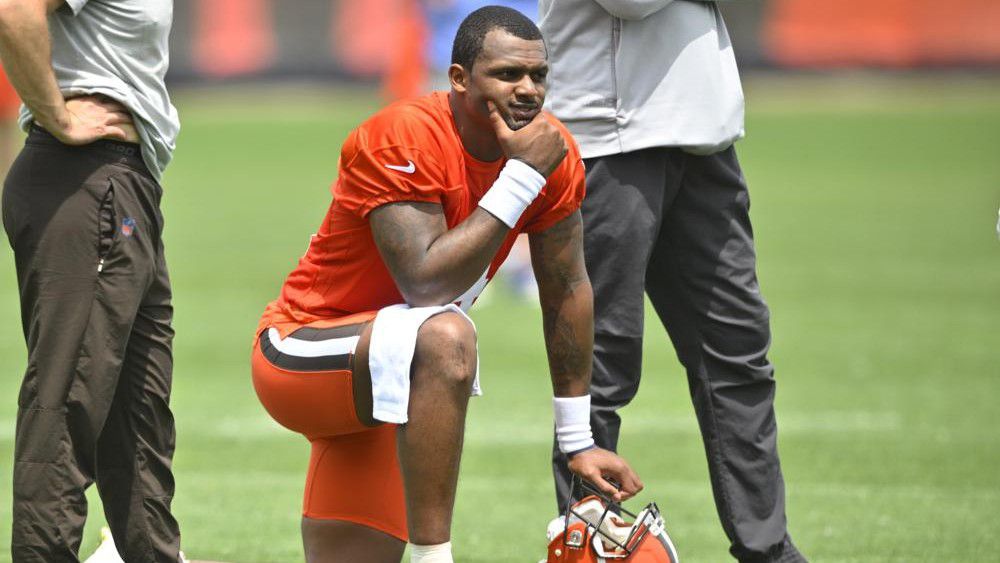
85	226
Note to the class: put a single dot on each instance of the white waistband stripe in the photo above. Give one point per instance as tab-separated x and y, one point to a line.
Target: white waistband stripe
312	349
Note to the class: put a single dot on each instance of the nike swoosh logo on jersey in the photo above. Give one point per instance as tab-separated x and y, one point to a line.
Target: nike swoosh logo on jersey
410	168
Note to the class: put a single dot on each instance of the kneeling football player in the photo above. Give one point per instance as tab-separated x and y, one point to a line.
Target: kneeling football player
368	351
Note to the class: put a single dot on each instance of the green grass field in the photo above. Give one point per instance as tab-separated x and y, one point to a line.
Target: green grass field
874	202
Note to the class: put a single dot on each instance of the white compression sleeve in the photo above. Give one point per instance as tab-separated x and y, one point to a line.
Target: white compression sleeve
512	192
573	424
440	553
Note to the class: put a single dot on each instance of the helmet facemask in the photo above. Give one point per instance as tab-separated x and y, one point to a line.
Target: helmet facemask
595	524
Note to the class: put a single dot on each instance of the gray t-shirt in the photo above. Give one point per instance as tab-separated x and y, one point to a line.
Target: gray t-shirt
119	48
633	74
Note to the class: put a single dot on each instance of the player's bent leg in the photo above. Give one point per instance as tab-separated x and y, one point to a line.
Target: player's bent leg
339	541
354	475
354	484
353	501
305	379
430	444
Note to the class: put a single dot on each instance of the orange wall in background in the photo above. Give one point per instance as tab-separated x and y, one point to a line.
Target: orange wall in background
383	37
232	37
897	33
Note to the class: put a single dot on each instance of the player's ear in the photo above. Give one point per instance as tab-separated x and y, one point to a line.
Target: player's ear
458	77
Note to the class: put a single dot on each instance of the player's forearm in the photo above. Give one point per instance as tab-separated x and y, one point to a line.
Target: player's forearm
26	52
568	324
434	265
567	301
458	257
431	264
454	261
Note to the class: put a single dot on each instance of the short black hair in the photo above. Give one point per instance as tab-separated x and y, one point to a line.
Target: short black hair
471	33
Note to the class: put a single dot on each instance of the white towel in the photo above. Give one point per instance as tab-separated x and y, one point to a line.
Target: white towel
390	354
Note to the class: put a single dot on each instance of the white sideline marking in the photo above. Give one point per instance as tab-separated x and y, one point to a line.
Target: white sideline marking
537	430
908	492
698	489
232	427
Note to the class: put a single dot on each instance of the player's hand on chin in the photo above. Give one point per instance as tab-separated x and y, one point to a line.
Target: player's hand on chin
597	464
539	144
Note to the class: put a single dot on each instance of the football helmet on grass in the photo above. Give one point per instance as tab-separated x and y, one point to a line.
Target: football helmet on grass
593	530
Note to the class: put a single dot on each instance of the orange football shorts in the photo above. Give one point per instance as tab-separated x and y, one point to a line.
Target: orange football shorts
304	382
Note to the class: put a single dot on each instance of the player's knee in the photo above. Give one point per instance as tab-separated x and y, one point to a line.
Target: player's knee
446	345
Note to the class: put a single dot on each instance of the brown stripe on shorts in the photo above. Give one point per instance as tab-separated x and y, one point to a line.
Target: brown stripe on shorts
292	362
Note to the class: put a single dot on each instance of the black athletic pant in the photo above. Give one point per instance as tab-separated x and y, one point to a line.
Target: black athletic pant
85	226
677	226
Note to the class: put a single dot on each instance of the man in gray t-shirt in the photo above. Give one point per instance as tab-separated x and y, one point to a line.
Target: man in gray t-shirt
81	211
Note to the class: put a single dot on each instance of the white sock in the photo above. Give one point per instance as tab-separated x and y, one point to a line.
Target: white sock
440	553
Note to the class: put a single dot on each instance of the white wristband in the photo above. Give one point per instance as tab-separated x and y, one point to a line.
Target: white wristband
513	191
573	423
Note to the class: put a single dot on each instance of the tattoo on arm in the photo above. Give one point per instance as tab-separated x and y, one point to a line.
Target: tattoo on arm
431	264
403	232
567	304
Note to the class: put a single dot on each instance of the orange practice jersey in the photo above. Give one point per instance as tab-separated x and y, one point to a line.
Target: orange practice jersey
409	151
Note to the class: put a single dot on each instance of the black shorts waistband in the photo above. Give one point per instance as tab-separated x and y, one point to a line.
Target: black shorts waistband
120	151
